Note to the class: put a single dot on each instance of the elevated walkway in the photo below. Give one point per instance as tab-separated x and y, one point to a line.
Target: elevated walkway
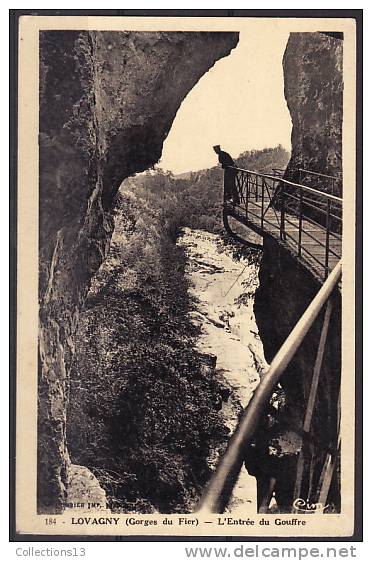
304	220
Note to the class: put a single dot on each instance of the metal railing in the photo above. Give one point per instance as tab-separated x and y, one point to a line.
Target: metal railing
333	184
218	492
313	179
307	220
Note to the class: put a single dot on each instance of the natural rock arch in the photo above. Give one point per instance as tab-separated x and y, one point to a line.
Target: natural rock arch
107	102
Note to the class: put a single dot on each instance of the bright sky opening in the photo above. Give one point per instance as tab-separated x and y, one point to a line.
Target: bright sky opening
238	104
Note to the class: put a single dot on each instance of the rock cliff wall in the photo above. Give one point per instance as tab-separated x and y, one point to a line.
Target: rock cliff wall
313	87
107	102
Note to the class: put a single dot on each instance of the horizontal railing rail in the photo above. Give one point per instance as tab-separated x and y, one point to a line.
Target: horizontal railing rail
310	172
219	489
290	184
333	183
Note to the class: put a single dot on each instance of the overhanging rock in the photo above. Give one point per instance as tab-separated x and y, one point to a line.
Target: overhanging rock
107	102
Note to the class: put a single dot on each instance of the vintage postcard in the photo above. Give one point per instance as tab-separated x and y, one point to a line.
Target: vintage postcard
186	276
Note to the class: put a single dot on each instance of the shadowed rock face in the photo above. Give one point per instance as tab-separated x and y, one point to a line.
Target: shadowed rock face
313	86
107	102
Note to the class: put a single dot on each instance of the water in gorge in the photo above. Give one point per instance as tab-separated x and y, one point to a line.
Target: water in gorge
222	289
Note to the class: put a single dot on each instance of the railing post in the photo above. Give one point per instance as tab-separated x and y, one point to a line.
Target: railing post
300	224
224	184
248	176
312	396
238	185
263	182
282	214
328	224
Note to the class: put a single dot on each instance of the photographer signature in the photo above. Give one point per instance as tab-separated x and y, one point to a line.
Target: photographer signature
304	507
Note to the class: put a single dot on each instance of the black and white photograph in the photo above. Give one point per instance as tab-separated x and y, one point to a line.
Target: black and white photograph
186	276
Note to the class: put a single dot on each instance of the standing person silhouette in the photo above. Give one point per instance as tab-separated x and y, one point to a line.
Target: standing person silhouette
227	162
